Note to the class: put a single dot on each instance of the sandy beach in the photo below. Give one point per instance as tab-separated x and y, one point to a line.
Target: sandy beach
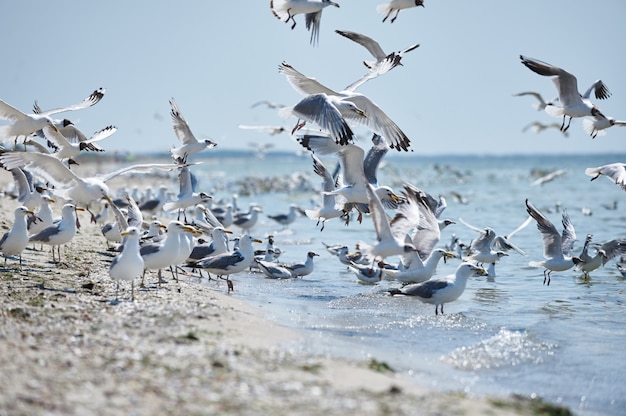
66	347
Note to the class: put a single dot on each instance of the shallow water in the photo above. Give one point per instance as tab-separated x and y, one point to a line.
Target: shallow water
509	334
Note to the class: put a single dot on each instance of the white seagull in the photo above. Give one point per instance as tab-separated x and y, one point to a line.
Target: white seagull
129	264
27	124
302	269
396	5
596	126
556	247
416	270
442	290
604	252
16	239
274	270
68	185
573	104
332	204
615	172
541	103
186	196
61	232
226	264
384	63
375	119
358	170
285	10
164	253
189	143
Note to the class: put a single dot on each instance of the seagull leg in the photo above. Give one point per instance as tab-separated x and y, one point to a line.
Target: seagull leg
393	20
132	290
385	18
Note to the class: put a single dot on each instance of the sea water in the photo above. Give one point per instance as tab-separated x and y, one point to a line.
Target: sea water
508	334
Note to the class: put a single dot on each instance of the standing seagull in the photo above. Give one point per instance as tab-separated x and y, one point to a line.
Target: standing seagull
189	143
615	172
442	290
302	269
128	264
397	5
16	240
26	124
574	105
556	247
61	232
285	10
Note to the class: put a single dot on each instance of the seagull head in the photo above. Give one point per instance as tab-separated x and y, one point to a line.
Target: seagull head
330	3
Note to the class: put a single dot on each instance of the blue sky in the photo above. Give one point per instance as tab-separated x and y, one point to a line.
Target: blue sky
453	94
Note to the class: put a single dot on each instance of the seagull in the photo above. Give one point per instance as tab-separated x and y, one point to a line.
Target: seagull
384	62
128	264
186	196
43	216
302	269
367	274
75	136
615	172
541	105
396	5
247	220
271	130
574	105
328	112
375	119
331	203
27	124
416	270
16	240
442	290
218	245
286	219
68	185
273	270
164	253
538	127
285	10
267	103
548	177
605	252
596	126
64	148
358	171
61	232
189	143
226	264
391	235
28	194
556	247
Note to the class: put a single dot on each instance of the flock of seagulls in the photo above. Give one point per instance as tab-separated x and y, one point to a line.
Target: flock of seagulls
407	224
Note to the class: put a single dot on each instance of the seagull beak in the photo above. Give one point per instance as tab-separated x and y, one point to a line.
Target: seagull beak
189	229
79	209
481	271
108	199
228	231
29	212
53	127
125	232
395	198
256	240
334	4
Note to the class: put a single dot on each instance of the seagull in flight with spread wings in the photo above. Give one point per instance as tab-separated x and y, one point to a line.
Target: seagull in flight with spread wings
370	115
189	143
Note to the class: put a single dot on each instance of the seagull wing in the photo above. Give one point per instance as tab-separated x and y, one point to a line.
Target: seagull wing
368	43
93	99
373	158
600	90
303	84
568	237
44	165
137	168
352	162
8	112
181	128
321	110
565	82
379	217
552	247
378	122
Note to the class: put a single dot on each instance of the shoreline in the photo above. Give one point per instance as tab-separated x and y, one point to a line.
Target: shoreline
181	348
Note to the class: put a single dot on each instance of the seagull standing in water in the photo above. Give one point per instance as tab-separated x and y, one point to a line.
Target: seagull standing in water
615	172
574	104
396	5
285	10
556	247
16	240
302	269
442	290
